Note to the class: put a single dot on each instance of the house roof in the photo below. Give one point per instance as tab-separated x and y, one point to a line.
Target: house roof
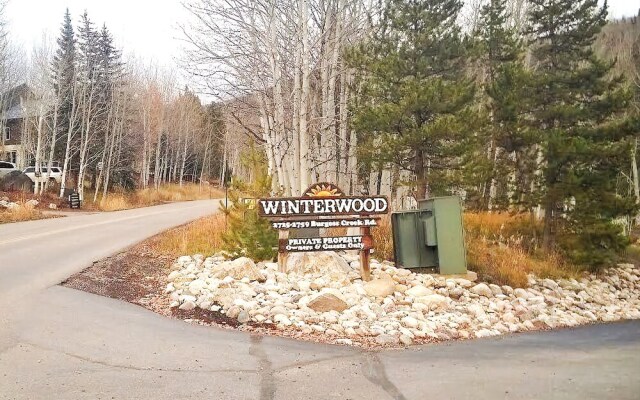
15	100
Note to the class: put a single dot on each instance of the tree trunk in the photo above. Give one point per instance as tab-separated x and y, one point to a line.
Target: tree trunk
634	173
422	185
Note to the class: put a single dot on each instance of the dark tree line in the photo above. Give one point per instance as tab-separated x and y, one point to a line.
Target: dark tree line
526	120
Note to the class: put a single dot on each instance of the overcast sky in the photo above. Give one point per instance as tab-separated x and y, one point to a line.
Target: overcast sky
147	28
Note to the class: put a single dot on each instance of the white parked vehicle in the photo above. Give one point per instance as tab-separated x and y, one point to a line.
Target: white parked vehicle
54	175
6	167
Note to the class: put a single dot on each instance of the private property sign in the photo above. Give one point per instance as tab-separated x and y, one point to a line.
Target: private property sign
324	206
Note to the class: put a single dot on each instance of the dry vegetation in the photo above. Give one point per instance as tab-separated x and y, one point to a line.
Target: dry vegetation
19	214
383	239
203	236
504	248
151	196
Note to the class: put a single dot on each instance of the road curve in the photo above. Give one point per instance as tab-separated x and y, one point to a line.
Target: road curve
38	254
60	343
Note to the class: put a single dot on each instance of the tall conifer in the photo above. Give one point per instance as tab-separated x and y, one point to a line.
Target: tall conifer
64	76
573	101
414	92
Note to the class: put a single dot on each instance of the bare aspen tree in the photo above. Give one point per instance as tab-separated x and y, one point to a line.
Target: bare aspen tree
287	58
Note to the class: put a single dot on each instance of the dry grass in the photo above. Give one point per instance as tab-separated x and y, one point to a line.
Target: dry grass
511	265
383	239
115	202
504	249
203	236
151	196
19	214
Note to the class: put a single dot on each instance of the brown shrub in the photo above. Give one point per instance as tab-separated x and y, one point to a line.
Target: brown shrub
504	249
383	239
19	214
151	196
203	236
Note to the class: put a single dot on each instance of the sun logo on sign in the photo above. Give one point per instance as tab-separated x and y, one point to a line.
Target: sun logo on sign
323	190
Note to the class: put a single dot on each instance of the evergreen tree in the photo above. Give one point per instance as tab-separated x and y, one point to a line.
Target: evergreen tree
89	50
110	65
504	80
247	233
573	103
64	76
414	94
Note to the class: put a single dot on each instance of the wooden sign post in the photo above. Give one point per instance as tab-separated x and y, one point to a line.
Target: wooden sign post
324	206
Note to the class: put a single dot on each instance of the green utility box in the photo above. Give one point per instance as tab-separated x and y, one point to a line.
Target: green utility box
431	236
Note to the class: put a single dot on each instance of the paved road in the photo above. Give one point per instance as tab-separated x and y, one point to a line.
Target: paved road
59	343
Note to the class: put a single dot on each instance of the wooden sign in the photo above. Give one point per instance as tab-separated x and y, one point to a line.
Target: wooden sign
324	205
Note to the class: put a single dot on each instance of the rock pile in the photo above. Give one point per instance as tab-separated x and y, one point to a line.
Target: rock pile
323	294
5	204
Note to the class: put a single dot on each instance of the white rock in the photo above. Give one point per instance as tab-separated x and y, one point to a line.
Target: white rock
318	328
304	286
410	322
476	310
406	340
434	302
282	319
173	275
324	262
495	289
380	287
195	287
465	283
243	317
482	289
484	333
184	260
31	204
239	268
386	339
418	291
278	310
187	305
406	304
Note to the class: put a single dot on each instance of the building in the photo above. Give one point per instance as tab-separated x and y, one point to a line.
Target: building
12	124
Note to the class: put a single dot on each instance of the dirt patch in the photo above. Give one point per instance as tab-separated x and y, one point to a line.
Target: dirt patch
138	275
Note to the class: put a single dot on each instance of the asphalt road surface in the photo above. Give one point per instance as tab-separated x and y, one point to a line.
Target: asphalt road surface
60	343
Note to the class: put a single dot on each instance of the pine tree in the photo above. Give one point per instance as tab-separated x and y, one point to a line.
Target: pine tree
573	101
64	76
109	65
504	81
414	95
247	233
88	46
